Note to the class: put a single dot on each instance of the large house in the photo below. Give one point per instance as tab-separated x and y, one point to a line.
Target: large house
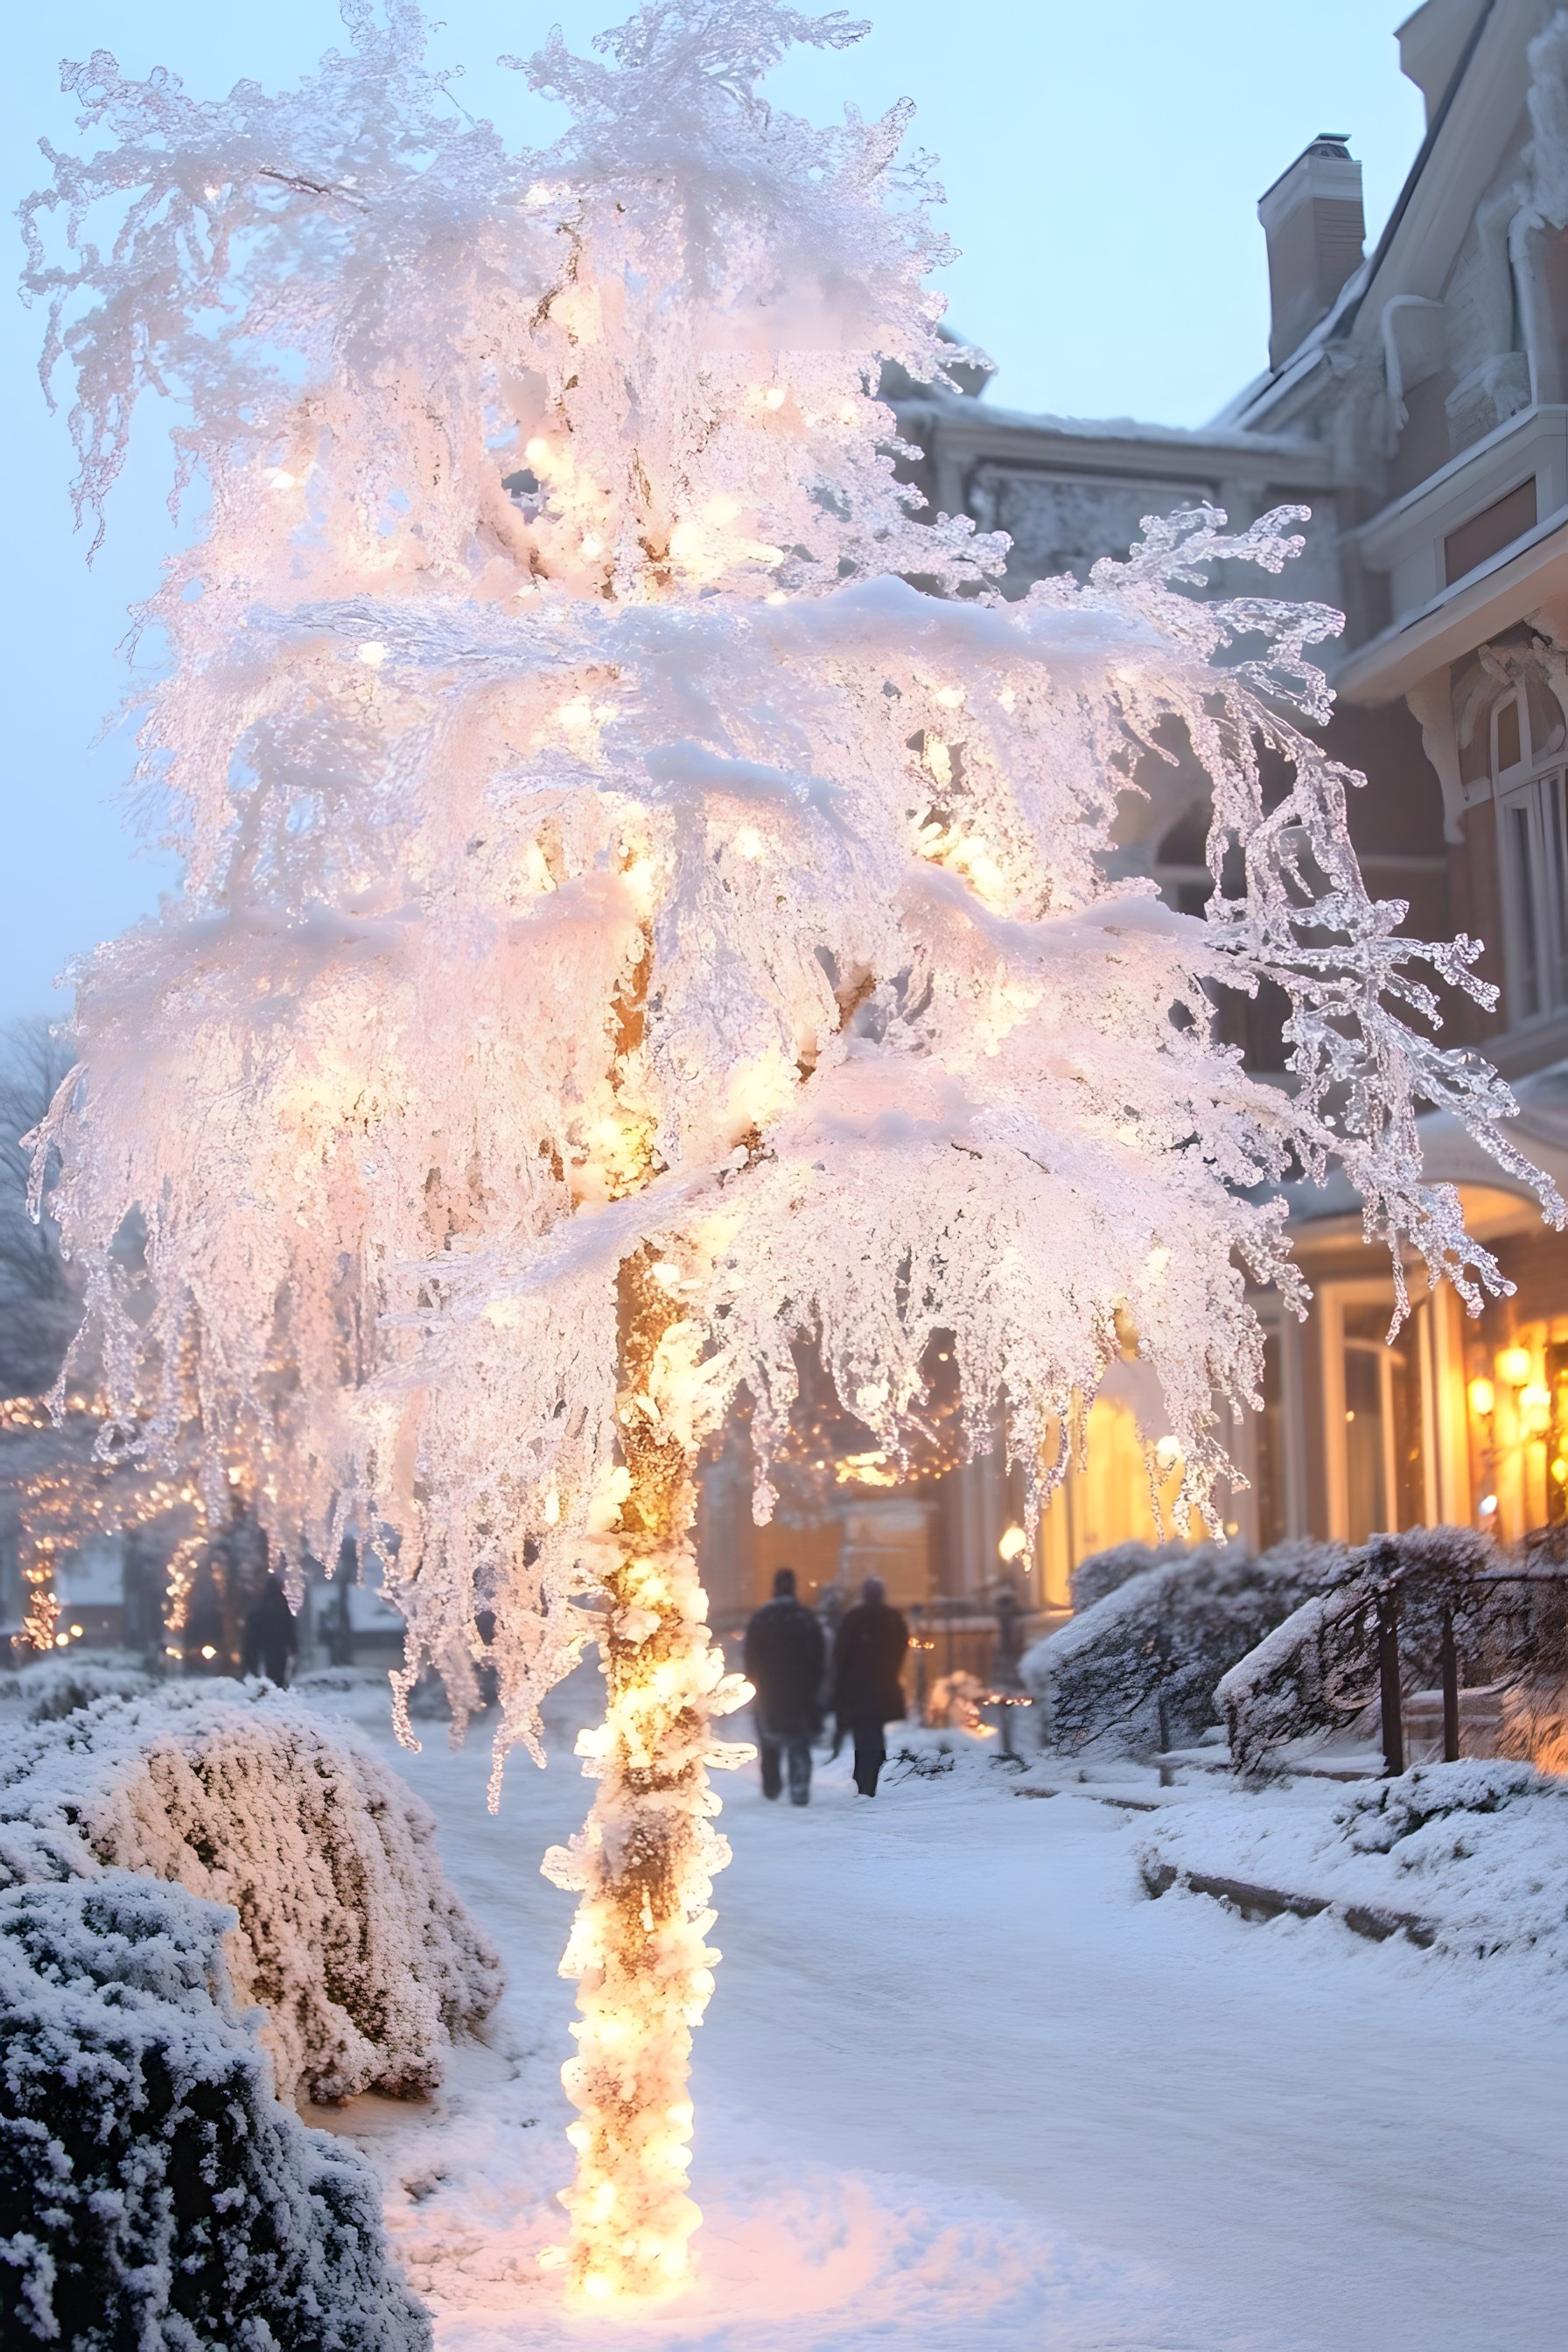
1416	399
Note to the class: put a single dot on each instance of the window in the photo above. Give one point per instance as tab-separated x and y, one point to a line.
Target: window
1531	795
1378	1402
1535	867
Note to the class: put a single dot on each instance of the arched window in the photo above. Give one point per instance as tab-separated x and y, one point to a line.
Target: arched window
1512	732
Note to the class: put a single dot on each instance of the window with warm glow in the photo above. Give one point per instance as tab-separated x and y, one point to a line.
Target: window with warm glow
1380	1406
1517	1411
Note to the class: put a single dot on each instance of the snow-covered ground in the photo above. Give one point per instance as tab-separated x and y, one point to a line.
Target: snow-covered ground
963	2085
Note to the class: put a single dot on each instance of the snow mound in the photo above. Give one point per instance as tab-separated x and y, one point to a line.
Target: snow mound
47	1692
952	1752
157	2193
1135	1670
1477	1850
838	2262
347	1935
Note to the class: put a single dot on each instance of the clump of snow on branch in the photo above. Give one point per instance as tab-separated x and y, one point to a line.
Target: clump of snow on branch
348	1935
550	650
154	2190
1136	1669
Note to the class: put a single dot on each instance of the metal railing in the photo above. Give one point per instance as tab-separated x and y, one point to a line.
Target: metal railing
1395	1579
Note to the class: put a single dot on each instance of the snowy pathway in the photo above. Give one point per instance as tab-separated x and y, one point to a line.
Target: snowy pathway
963	2086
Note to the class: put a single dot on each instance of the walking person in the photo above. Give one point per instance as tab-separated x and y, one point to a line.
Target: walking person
868	1656
270	1640
784	1658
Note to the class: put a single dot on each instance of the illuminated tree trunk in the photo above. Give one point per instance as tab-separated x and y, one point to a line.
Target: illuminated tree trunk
645	1861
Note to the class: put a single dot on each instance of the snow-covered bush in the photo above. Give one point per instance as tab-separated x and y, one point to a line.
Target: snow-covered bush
1316	1671
155	2193
1377	1819
47	1692
1136	1671
937	1752
348	1934
1477	1851
1103	1573
1312	1674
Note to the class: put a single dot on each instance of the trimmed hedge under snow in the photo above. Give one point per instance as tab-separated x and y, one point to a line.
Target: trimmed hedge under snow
156	2197
348	1934
1136	1669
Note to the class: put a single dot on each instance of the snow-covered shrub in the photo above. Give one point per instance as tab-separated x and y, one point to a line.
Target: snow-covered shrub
47	1692
1376	1819
1310	1675
348	1934
1526	1649
937	1752
1137	1670
1318	1671
155	2193
1103	1573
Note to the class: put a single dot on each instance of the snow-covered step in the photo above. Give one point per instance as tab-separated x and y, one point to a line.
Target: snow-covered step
1372	1920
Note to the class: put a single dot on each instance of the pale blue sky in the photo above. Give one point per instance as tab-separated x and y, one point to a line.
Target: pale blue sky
1102	165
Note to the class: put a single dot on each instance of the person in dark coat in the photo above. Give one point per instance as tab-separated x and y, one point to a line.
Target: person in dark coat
867	1692
784	1658
270	1642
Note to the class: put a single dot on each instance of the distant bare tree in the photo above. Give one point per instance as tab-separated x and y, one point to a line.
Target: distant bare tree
38	1304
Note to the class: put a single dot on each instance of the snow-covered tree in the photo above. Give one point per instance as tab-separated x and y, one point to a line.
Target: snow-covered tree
628	925
38	1312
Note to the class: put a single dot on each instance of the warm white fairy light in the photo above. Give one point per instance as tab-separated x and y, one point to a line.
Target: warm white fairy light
75	1495
680	890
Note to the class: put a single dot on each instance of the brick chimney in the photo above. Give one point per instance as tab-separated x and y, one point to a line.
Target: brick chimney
1313	220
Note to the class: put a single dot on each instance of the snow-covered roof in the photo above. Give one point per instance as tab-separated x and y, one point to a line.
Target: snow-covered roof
957	408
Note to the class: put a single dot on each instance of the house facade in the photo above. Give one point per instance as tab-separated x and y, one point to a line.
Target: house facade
1416	399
